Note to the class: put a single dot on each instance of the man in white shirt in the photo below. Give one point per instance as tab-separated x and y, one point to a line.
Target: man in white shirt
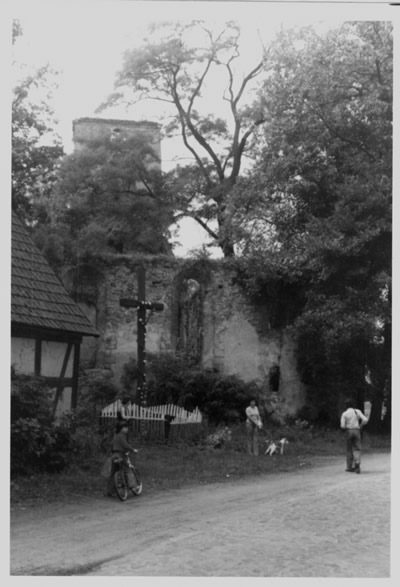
253	425
352	420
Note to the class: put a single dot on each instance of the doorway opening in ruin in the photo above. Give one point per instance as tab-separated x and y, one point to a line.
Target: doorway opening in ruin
274	378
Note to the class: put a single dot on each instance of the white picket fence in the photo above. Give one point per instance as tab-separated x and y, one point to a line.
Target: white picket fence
150	422
152	413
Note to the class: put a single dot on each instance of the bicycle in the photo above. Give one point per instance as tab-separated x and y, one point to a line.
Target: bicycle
126	481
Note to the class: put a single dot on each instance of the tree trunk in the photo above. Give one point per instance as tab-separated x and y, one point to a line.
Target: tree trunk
227	249
225	238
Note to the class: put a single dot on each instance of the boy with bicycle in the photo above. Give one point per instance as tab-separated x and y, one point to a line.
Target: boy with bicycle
119	447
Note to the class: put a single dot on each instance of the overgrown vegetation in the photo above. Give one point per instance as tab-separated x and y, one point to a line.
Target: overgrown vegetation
165	467
221	399
310	221
37	442
317	215
41	444
62	460
36	147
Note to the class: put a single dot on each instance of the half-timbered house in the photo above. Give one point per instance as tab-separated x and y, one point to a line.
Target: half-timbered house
47	325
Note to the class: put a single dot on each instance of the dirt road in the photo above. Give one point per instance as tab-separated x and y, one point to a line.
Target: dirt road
319	522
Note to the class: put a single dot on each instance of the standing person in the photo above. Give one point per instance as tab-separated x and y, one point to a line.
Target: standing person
352	420
167	426
253	425
122	413
119	447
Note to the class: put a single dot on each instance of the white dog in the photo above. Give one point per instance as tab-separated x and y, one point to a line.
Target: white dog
273	447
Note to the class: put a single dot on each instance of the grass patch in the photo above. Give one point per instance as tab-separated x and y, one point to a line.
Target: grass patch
178	465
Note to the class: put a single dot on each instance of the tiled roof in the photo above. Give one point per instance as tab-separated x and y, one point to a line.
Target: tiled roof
38	298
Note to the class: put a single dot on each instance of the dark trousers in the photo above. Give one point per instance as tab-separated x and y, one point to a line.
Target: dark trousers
353	447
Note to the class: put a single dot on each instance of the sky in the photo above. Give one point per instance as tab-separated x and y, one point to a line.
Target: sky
85	41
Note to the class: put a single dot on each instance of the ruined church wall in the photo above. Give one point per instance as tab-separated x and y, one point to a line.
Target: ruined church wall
237	338
118	327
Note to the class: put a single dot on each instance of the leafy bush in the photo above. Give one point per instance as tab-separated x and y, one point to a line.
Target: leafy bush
30	398
96	390
86	441
222	436
221	399
129	377
37	442
38	446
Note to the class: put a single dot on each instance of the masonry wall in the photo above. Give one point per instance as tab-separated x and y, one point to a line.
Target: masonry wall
239	340
118	326
87	130
212	309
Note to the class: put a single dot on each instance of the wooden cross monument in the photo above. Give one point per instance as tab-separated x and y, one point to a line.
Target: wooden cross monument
142	306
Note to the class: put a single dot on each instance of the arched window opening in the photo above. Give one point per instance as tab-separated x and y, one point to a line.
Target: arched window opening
190	320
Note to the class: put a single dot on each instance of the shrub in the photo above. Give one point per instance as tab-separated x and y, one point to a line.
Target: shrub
37	442
86	442
221	399
129	378
96	390
221	437
38	446
30	398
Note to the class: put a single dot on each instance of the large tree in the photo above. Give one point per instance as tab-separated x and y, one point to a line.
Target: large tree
318	204
181	66
36	147
109	198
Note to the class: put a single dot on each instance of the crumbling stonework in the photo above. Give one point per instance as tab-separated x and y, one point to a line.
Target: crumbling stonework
239	340
88	130
207	315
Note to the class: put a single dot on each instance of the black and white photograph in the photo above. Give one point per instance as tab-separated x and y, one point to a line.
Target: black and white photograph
198	214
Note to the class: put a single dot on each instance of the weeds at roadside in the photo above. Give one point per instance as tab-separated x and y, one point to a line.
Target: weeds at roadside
176	465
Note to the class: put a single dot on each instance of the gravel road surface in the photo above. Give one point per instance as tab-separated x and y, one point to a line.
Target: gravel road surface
319	522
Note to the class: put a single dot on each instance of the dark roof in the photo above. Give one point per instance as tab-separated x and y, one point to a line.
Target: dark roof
38	298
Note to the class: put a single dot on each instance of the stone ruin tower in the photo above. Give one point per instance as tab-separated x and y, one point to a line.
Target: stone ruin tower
87	130
206	316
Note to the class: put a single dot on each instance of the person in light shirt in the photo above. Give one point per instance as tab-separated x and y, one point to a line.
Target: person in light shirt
253	425
352	420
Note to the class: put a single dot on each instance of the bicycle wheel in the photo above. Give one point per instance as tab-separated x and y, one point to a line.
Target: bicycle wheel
137	489
120	485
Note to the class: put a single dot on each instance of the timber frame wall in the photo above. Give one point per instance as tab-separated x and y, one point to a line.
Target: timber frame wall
73	345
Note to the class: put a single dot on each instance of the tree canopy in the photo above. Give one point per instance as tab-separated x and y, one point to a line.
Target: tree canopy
321	191
109	197
179	65
36	147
